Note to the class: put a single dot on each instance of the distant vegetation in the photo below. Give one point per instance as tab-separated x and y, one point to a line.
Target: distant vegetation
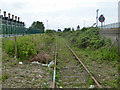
66	29
37	25
50	31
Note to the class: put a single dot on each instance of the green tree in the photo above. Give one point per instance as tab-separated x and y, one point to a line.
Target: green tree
37	25
67	29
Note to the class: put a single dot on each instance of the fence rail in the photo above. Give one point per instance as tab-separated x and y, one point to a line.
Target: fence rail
110	26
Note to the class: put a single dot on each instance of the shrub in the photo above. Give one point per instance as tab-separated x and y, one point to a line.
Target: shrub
27	46
90	38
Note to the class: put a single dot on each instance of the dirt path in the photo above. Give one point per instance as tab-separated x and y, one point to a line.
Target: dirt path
70	72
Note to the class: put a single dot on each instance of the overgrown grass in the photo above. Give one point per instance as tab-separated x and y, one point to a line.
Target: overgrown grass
5	77
28	46
93	48
91	42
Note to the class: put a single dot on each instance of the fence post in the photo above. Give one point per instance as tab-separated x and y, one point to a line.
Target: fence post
15	47
15	37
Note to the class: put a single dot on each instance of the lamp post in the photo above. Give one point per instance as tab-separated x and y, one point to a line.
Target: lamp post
97	17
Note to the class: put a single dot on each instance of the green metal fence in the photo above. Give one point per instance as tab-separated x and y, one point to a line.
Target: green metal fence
11	27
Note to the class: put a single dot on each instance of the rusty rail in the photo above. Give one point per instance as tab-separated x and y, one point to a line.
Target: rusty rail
55	66
84	66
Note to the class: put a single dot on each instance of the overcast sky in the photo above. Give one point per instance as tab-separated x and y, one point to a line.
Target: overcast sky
61	13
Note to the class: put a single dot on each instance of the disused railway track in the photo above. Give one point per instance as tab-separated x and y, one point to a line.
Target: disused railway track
84	66
99	86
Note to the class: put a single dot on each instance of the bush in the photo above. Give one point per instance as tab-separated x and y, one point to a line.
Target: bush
86	37
84	29
89	40
27	46
66	29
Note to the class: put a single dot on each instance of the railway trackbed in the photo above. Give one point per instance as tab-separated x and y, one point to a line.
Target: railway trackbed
69	71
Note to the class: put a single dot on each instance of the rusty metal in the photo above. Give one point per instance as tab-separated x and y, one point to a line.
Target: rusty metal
55	66
84	66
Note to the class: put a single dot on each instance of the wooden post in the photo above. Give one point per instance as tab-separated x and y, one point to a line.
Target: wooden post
15	46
